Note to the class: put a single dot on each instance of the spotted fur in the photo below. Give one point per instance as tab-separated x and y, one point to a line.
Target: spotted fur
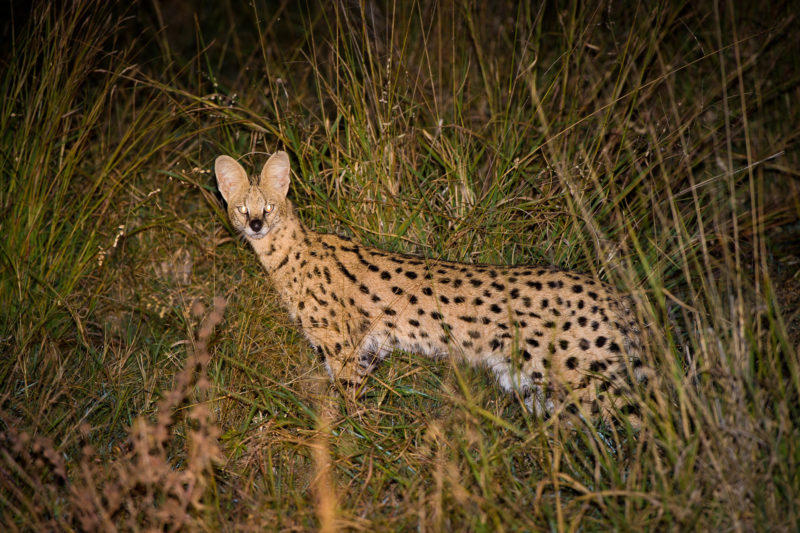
550	335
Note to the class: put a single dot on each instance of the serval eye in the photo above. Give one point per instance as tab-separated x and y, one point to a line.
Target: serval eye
268	208
242	209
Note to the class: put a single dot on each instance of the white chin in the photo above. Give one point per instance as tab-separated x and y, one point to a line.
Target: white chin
255	236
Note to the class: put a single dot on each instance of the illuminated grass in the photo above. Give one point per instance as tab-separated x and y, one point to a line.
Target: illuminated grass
653	148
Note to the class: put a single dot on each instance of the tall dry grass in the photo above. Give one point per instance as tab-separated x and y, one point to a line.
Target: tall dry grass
652	145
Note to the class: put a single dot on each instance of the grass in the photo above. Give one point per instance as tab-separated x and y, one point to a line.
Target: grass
652	145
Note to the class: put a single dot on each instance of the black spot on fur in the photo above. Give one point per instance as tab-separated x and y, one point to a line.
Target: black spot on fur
597	366
630	409
600	341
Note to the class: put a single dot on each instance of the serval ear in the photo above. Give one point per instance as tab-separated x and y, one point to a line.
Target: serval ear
275	174
231	177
